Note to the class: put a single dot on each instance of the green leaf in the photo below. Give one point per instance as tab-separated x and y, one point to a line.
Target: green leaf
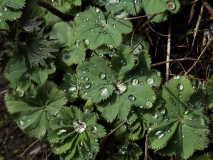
131	7
19	74
9	10
75	134
129	151
205	156
70	86
210	94
63	35
153	7
33	111
37	49
97	30
117	85
184	127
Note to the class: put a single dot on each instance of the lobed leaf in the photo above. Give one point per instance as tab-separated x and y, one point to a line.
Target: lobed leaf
35	108
184	128
93	27
73	52
19	74
117	85
75	134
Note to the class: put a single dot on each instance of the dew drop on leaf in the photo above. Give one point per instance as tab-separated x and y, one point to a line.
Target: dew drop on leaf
103	91
148	104
131	98
179	95
150	80
87	85
60	132
102	75
170	5
161	135
86	42
94	129
186	112
123	62
4	8
22	123
97	10
121	88
155	116
72	87
135	81
180	87
158	133
86	78
79	126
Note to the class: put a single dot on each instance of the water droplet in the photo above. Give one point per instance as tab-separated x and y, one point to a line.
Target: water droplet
86	42
132	98
60	132
161	136
135	81
60	122
97	10
94	129
150	81
186	112
180	87
168	130
148	104
86	78
104	92
179	95
111	34
79	126
87	85
154	97
122	150
72	88
155	116
22	123
102	75
158	133
4	8
170	5
121	88
77	42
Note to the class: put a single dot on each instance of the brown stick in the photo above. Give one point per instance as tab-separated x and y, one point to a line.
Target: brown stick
207	6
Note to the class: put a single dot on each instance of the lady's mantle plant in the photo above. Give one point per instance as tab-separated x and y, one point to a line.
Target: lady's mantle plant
107	81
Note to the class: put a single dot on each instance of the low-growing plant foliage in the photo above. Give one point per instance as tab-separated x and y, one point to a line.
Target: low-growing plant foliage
74	83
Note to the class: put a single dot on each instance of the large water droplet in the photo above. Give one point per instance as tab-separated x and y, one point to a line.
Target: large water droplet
102	75
94	129
121	88
79	126
135	81
103	91
72	88
86	42
155	116
87	85
161	136
149	104
60	132
158	133
97	10
150	80
22	123
180	87
131	98
170	5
